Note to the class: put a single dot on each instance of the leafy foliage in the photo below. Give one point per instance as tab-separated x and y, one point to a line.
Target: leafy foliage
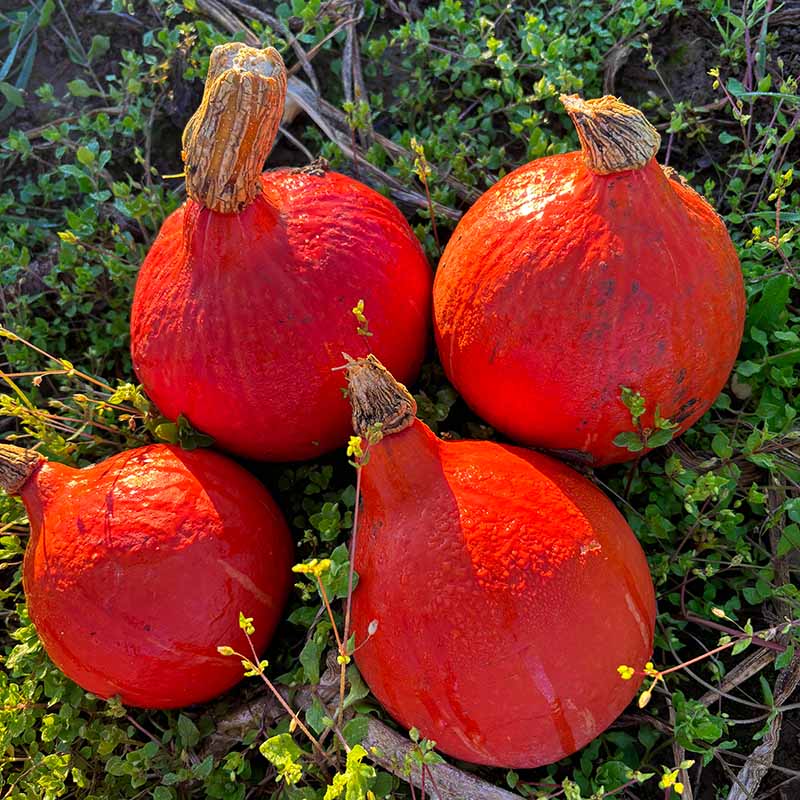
468	92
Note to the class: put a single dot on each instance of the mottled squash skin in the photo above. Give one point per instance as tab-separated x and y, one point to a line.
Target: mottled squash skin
137	569
559	286
507	590
238	319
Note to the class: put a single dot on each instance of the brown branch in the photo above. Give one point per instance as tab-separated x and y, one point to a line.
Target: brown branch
760	760
395	755
742	672
386	747
333	124
679	755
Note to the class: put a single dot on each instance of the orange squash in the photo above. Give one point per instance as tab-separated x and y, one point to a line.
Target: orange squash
243	304
137	568
506	589
578	274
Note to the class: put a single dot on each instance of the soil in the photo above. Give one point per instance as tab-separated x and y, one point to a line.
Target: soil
684	50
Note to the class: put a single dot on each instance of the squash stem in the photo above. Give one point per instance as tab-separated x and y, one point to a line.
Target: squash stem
378	400
229	137
16	467
615	137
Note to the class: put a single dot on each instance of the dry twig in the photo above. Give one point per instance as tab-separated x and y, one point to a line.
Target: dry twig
760	760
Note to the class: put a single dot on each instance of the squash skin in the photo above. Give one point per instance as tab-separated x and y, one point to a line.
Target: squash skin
559	286
137	569
507	591
238	319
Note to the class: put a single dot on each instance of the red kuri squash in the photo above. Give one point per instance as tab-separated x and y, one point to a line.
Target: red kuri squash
137	569
243	304
579	274
506	588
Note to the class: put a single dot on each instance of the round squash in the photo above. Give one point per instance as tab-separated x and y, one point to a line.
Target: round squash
506	589
579	274
137	569
245	301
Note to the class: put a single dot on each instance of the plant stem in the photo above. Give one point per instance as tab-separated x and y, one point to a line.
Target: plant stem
349	602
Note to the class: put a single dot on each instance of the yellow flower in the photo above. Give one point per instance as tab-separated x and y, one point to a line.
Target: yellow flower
354	447
625	672
316	567
670	779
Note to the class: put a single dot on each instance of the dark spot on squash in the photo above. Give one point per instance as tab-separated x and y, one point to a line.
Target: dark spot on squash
661	347
635	287
685	411
681	377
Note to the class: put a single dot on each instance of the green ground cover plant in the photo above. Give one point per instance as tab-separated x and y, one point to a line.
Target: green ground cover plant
431	103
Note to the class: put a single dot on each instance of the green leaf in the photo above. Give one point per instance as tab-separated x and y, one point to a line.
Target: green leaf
630	440
770	311
358	689
355	730
741	646
354	782
12	94
79	88
735	87
309	658
748	368
85	156
46	13
790	540
785	658
99	45
167	432
659	438
284	754
187	731
721	445
316	716
634	402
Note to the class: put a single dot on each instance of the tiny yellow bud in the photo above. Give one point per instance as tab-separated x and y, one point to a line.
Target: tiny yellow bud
644	698
354	447
678	787
648	665
668	779
718	612
625	672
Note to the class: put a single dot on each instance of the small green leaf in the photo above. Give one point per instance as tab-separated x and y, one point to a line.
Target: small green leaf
99	45
284	754
85	156
12	94
659	438
309	658
630	440
790	540
634	402
721	445
355	730
187	731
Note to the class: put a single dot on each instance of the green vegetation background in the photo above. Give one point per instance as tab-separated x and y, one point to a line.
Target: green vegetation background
92	101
